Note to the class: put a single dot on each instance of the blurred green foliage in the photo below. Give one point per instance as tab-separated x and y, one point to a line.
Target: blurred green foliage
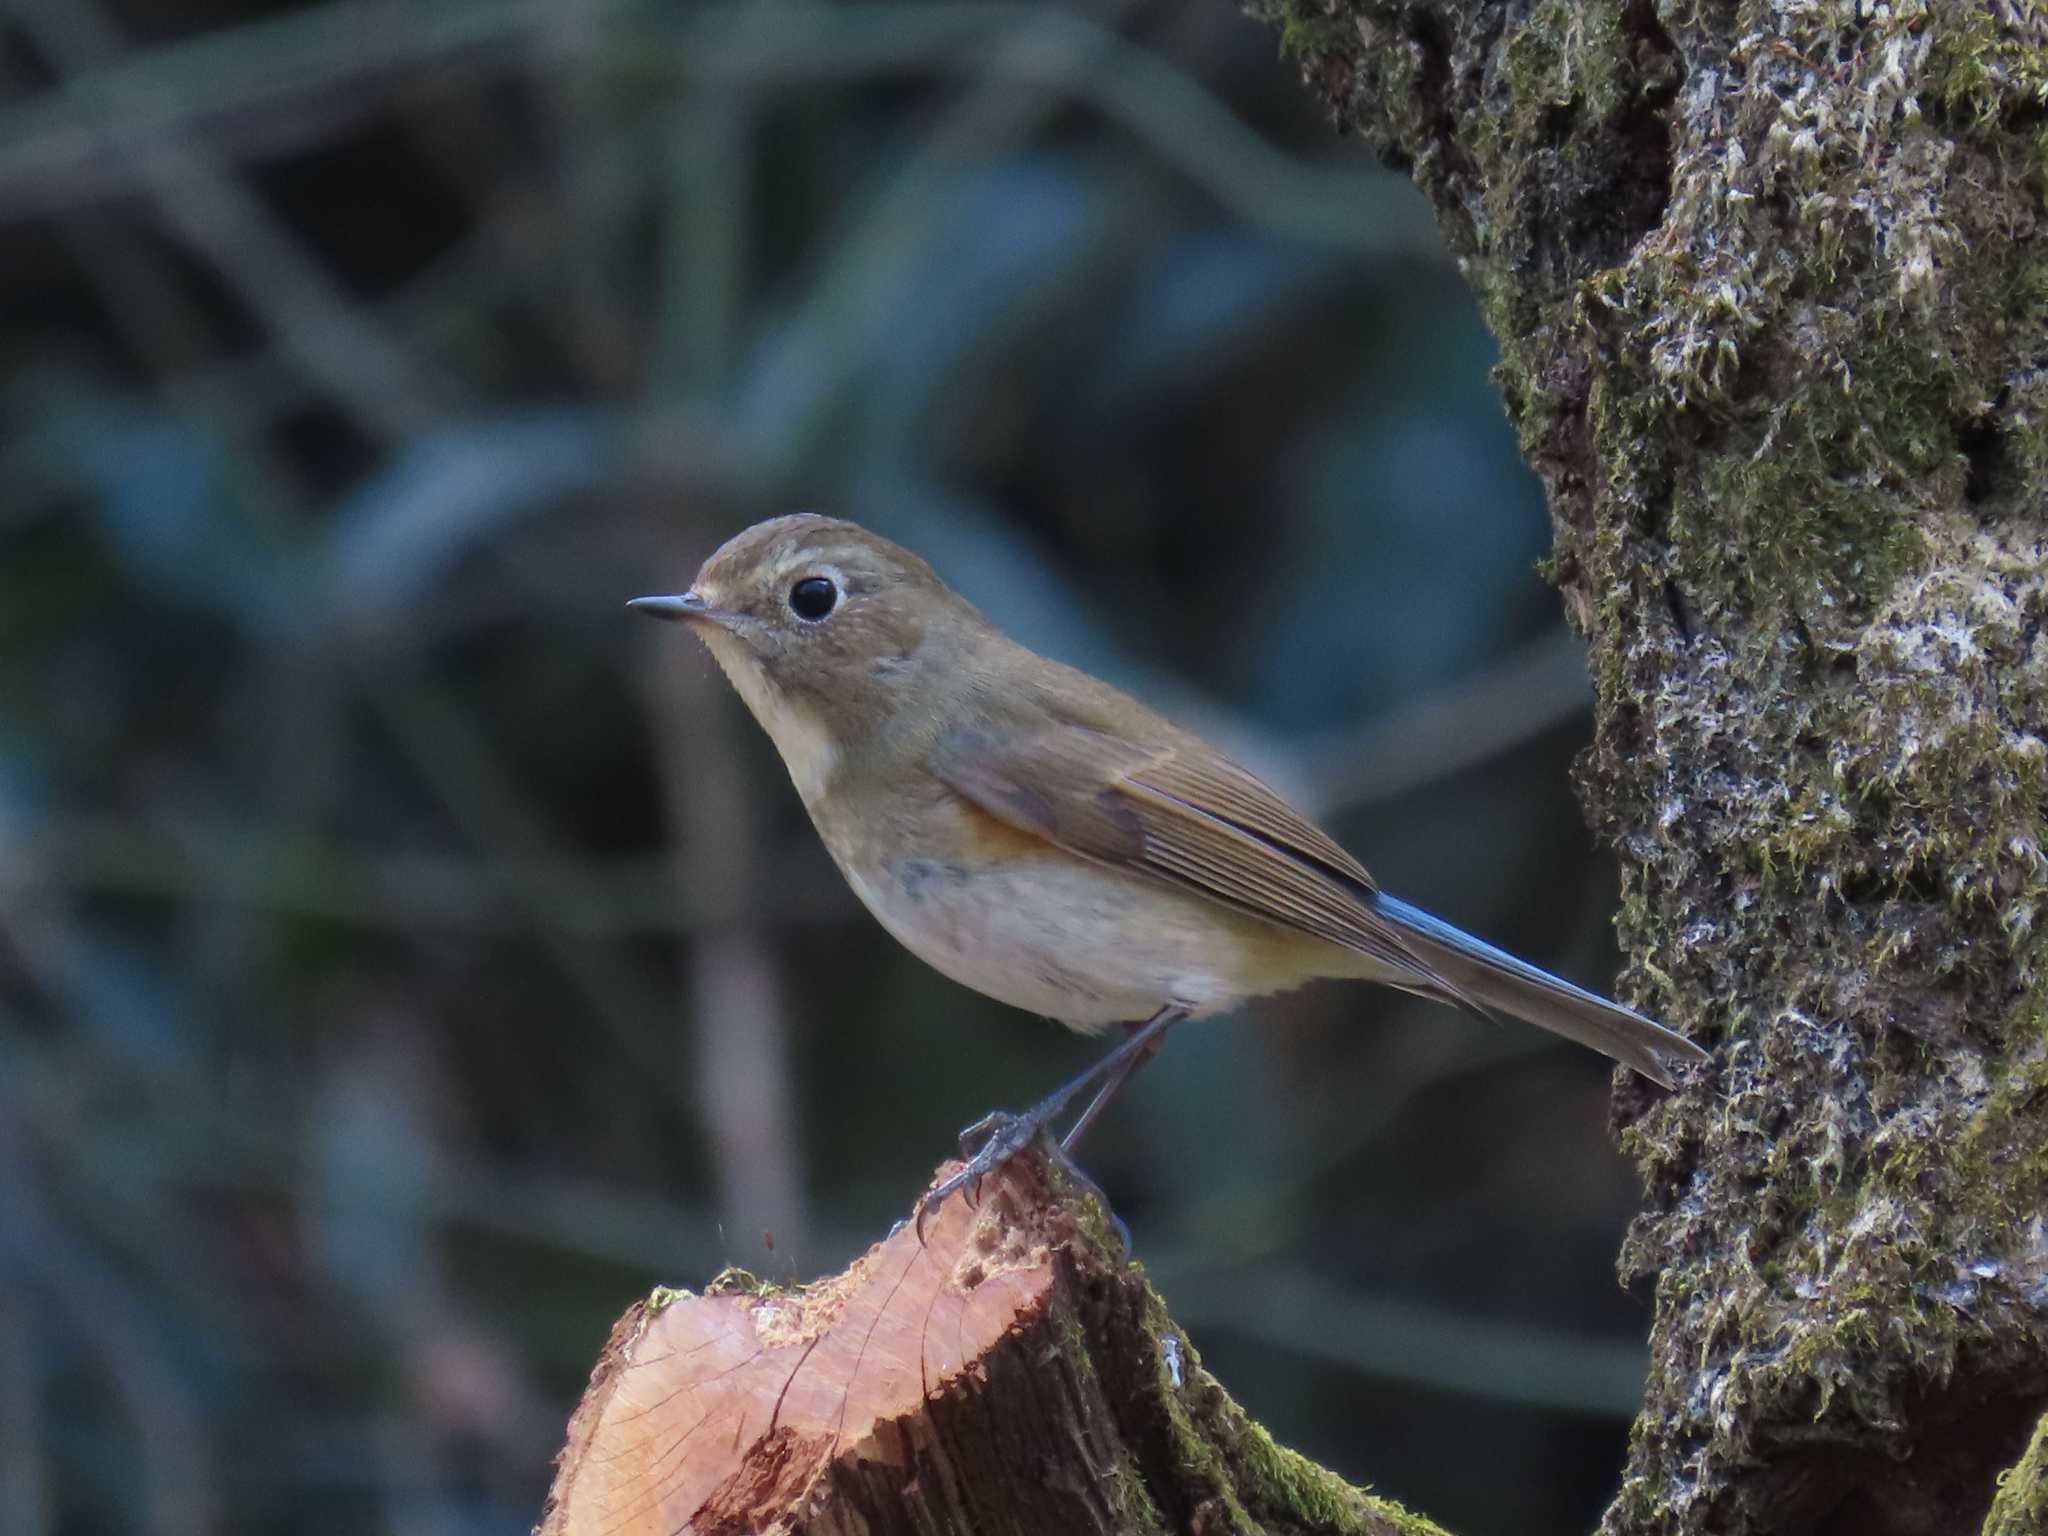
406	960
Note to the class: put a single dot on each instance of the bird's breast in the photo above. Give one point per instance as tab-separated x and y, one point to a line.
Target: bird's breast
1042	929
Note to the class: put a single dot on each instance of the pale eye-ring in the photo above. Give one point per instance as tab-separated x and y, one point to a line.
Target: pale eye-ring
813	597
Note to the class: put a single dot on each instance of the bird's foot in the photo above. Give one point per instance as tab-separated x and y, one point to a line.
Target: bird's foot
991	1142
984	1147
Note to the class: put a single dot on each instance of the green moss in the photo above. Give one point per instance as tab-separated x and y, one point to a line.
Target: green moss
1131	1502
1784	530
732	1280
1292	1481
662	1297
2021	1505
1254	1480
1306	37
2001	1163
1197	1459
1095	1224
1982	69
1567	54
2025	436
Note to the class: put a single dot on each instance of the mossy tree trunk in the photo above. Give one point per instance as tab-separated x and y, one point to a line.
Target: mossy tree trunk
1770	283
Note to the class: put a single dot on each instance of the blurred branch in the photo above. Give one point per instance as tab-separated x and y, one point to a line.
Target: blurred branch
399	537
369	373
173	1456
229	88
280	869
253	390
1449	729
595	193
590	1218
103	134
24	1372
514	833
701	312
1310	1315
240	398
1215	1250
736	1005
183	1145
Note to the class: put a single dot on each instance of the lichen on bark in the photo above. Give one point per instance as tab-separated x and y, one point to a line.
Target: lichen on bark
1770	283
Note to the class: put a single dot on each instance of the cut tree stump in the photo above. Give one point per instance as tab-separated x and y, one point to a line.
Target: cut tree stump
1012	1373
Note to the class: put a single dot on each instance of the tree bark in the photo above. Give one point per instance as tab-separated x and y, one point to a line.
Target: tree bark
1009	1375
1770	282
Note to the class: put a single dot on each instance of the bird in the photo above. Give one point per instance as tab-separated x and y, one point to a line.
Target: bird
1045	839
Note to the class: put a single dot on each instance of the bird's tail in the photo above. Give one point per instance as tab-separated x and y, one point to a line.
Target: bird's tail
1500	983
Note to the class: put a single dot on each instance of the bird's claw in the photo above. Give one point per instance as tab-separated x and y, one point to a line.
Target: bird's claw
991	1142
976	1136
938	1195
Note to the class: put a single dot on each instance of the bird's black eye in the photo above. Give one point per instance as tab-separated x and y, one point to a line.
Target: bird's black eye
812	598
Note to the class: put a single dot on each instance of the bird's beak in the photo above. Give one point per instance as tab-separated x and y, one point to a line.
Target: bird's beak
684	605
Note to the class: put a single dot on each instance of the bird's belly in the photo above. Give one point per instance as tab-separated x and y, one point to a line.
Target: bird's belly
1079	942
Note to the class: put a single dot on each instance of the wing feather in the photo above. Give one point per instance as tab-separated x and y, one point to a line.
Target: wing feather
1186	818
1221	789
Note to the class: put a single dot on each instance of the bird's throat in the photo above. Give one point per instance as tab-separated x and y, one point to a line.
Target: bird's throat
807	747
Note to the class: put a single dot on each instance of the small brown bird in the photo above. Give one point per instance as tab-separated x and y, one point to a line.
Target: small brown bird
1041	837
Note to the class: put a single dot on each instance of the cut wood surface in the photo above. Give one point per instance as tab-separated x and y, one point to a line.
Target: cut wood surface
1011	1373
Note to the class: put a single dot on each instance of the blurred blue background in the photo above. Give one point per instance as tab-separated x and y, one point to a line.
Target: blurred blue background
407	958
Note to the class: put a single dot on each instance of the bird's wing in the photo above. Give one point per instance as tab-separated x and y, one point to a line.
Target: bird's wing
1186	817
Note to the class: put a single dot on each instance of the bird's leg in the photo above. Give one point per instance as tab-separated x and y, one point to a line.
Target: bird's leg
1002	1135
1114	1083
